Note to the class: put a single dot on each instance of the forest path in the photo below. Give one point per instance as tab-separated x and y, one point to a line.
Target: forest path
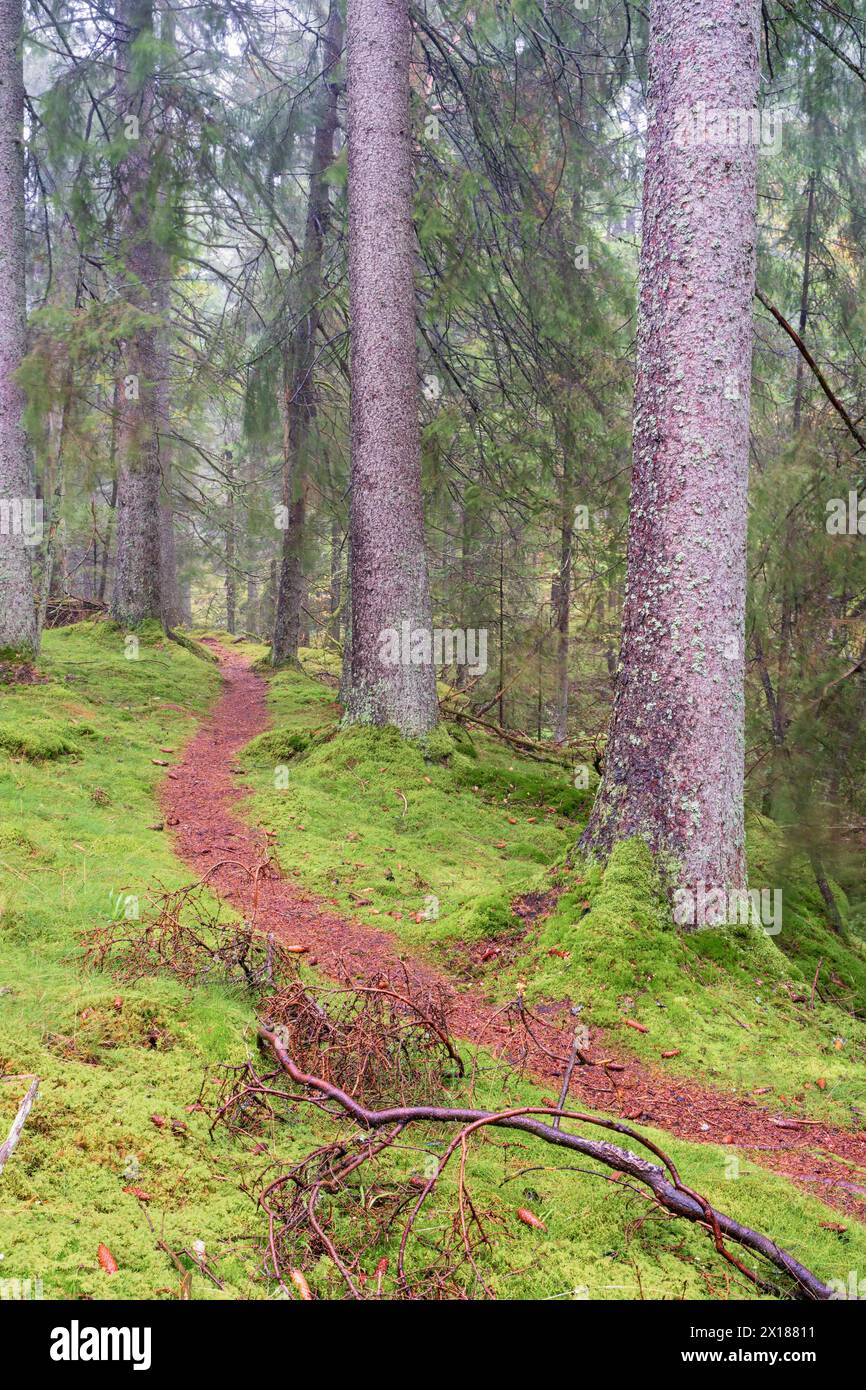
200	798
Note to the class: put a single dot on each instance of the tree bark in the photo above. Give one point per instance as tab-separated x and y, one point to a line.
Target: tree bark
18	631
137	567
298	393
336	590
804	297
389	586
231	583
674	767
563	591
169	589
251	606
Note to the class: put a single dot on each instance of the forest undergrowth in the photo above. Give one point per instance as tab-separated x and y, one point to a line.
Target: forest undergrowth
118	1154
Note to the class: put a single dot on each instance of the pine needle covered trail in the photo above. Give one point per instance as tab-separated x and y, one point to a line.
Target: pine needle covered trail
200	798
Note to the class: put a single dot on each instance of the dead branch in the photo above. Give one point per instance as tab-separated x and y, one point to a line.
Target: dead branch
663	1182
814	368
186	937
18	1124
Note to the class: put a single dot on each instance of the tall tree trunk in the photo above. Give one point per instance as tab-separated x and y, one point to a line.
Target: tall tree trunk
137	568
390	591
18	633
298	403
674	768
169	589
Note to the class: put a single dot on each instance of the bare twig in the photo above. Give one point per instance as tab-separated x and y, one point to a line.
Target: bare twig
18	1124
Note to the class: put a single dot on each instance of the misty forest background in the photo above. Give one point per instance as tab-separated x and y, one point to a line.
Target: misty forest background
528	129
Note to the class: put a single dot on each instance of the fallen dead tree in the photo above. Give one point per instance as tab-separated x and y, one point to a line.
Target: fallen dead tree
663	1182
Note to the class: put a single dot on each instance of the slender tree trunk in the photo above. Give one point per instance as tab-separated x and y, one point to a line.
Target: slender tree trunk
185	590
468	581
112	463
336	593
53	494
251	607
501	695
563	593
230	538
674	767
804	297
137	567
298	393
390	590
346	668
18	632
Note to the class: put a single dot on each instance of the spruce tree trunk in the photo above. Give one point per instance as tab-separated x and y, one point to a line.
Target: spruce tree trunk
169	589
18	633
563	591
231	580
674	766
389	582
335	597
251	607
298	402
137	567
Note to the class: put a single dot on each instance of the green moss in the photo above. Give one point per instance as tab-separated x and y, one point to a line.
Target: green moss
721	998
275	746
407	824
108	1055
38	740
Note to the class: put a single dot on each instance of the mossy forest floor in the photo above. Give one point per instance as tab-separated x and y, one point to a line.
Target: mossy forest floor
427	847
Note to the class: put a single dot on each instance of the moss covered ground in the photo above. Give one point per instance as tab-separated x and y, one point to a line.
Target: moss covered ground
361	814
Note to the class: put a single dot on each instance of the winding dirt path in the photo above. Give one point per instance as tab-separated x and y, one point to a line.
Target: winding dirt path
200	798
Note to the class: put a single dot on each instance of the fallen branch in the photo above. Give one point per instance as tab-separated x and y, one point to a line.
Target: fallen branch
18	1124
664	1182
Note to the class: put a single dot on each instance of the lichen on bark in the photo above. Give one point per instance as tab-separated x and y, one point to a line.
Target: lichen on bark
389	583
18	633
674	768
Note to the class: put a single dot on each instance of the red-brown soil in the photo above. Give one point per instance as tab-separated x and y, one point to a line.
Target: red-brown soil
201	801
